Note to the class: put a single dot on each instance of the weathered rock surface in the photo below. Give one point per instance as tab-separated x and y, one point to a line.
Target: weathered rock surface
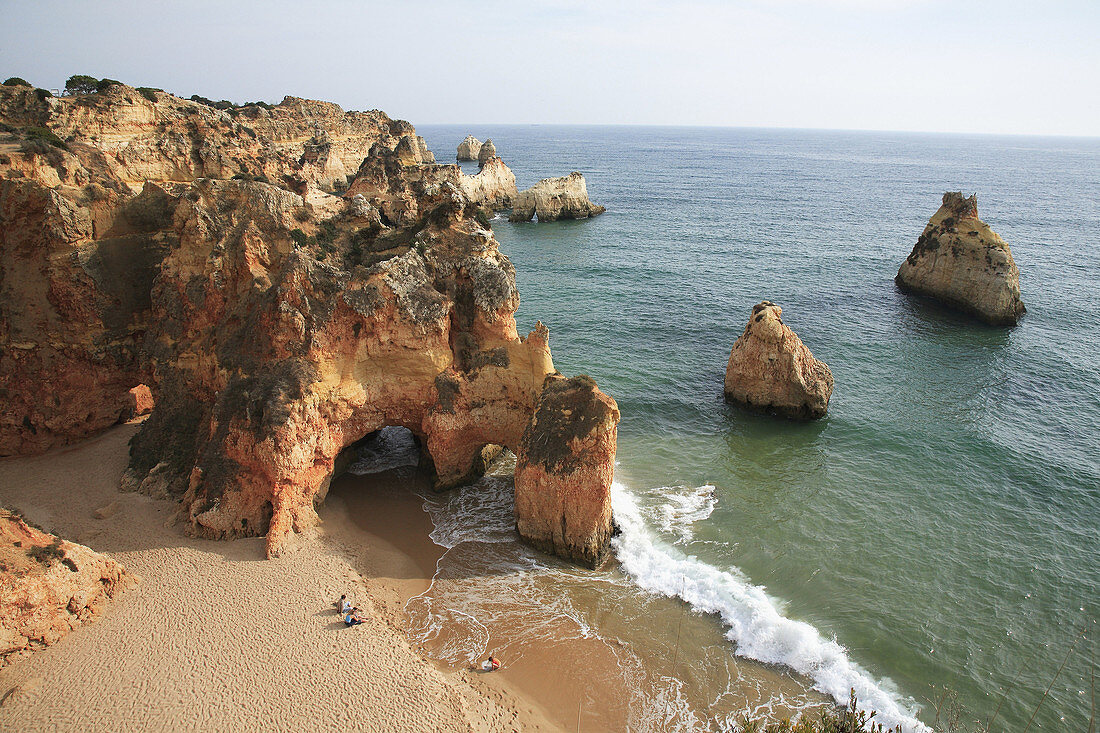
49	586
487	152
494	186
274	324
963	263
564	469
771	370
469	148
555	198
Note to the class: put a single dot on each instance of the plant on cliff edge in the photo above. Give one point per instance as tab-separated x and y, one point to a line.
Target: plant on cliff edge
81	84
16	81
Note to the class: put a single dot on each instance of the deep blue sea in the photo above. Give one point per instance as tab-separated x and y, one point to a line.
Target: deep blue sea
936	537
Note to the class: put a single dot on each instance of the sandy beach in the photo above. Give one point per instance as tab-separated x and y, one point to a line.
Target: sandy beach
215	637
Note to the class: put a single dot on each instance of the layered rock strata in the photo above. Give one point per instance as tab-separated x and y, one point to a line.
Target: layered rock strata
275	323
49	586
468	149
961	262
771	370
564	470
555	198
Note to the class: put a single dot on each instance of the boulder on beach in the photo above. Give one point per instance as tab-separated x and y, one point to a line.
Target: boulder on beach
555	198
771	370
961	262
487	152
469	148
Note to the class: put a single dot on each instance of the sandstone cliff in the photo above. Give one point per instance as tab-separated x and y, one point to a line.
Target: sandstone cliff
771	370
469	148
960	261
276	324
48	586
555	198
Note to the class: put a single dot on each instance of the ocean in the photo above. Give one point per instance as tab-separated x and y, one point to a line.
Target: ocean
933	543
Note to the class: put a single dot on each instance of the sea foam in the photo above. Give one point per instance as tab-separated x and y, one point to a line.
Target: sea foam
755	623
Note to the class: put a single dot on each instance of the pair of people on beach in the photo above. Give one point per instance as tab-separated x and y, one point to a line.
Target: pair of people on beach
351	613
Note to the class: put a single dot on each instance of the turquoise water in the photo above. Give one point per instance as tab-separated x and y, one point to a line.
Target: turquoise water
943	522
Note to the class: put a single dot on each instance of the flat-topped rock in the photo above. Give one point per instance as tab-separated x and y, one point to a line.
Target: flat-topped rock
551	199
469	148
771	370
961	262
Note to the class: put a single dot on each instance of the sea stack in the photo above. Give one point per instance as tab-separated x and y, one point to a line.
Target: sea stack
771	370
961	262
487	152
564	468
555	198
469	148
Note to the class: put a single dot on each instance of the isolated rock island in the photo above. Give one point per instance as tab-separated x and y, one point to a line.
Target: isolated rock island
771	370
286	279
961	262
551	199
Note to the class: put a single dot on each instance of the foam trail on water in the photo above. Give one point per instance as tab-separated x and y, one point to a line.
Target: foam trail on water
755	623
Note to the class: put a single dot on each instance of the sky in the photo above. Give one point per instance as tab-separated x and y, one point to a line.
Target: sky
923	65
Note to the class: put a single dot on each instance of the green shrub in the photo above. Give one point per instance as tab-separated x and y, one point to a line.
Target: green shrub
849	719
15	81
81	84
43	94
45	135
104	84
149	93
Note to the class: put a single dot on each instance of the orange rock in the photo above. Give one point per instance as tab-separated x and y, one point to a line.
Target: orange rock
564	469
48	586
771	370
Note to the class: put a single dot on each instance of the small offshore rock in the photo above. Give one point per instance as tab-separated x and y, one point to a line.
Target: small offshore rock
551	199
771	370
964	264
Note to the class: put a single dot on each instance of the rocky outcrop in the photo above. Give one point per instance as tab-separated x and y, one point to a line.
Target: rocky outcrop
487	152
48	586
469	149
963	263
494	186
771	370
564	468
555	198
275	323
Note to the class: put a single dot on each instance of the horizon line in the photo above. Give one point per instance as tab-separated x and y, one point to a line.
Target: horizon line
793	128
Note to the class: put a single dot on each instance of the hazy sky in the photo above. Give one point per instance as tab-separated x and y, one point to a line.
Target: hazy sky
998	66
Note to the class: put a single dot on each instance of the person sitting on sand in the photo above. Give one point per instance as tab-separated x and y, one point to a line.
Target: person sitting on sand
353	617
343	605
491	664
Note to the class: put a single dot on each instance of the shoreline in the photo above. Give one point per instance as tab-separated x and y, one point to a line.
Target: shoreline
214	636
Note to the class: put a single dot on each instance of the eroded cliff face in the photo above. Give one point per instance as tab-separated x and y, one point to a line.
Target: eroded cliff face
960	261
771	370
49	586
275	324
551	199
